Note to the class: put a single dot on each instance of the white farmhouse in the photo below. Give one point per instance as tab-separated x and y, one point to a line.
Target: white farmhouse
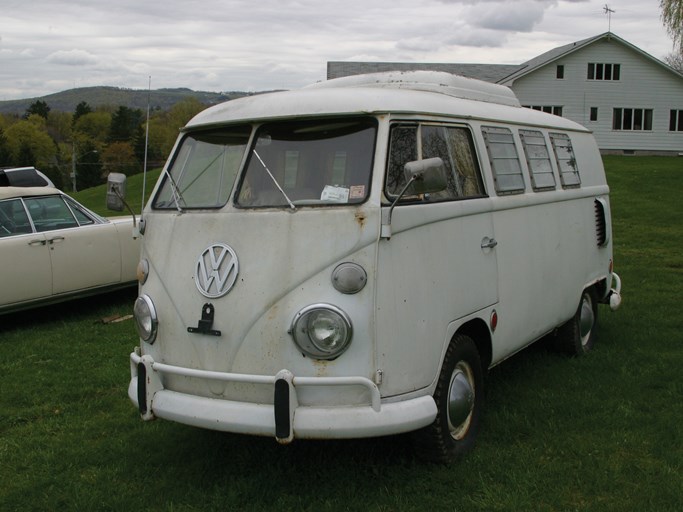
632	101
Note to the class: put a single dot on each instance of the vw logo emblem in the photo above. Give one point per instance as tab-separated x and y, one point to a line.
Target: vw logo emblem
216	270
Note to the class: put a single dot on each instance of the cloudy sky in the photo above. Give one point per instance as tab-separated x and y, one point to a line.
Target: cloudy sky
48	46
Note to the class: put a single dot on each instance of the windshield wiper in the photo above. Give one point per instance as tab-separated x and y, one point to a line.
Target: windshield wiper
175	191
291	204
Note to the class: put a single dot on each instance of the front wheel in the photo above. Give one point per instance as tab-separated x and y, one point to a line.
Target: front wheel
577	336
459	398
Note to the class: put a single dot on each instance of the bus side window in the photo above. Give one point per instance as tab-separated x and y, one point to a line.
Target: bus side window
538	160
566	161
402	149
505	164
453	145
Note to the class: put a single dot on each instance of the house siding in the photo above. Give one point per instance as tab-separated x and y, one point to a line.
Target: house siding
643	84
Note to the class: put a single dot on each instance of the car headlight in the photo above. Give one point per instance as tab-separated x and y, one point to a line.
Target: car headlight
146	320
322	331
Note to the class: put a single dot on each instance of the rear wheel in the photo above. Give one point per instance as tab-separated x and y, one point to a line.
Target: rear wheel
577	336
459	398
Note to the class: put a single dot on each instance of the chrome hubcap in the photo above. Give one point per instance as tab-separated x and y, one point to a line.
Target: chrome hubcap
586	319
460	400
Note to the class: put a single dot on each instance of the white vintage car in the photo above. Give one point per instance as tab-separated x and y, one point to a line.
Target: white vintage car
53	249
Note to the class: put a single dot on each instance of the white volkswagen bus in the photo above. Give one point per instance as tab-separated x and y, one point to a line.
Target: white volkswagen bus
349	259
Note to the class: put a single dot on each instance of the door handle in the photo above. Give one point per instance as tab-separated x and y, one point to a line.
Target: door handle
37	242
488	243
55	239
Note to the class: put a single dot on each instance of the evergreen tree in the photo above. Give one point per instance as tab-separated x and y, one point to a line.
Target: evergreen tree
81	109
39	107
125	123
5	154
88	167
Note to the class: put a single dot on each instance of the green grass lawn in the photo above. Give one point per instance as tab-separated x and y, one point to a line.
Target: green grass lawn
95	197
599	433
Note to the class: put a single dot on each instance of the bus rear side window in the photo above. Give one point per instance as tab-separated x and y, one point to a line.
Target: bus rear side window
566	161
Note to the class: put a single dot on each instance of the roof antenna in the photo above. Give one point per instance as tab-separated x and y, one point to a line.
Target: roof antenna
609	13
144	169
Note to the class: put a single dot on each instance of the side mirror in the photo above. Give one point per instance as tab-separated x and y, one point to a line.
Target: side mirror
422	177
116	191
427	176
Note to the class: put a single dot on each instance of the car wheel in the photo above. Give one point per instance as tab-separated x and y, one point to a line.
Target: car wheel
459	398
577	336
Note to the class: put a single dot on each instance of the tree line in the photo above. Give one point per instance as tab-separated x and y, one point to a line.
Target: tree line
93	142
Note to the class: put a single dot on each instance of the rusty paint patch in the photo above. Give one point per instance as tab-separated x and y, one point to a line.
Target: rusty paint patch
321	367
360	218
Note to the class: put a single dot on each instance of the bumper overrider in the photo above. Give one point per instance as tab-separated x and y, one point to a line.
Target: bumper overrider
285	419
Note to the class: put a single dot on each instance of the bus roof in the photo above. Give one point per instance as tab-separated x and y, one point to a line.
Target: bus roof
428	92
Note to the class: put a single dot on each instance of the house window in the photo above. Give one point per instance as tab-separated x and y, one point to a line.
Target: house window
676	121
594	114
600	71
559	73
549	109
505	164
632	119
538	159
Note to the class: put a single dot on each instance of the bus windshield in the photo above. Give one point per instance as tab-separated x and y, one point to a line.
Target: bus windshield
320	162
204	169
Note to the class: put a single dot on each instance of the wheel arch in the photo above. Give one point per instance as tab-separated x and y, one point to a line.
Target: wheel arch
479	332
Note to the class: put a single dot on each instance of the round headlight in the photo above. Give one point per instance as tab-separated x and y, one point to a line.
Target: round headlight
146	320
322	331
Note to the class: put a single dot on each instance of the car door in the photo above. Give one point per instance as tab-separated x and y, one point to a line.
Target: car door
25	269
84	253
84	257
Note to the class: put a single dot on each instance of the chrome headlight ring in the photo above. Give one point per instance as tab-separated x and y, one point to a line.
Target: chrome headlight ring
146	320
322	331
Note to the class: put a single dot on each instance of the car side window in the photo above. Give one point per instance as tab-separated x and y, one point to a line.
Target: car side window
50	213
13	218
452	144
81	216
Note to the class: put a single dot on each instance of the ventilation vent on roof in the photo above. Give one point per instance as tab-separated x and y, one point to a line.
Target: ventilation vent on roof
429	81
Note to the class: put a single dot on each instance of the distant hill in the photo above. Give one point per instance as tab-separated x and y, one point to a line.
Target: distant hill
66	101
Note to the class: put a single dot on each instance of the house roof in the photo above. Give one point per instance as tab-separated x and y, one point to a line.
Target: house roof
497	73
562	51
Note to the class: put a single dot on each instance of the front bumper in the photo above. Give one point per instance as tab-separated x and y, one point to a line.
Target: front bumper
285	419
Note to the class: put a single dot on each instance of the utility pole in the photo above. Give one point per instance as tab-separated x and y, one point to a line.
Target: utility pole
73	165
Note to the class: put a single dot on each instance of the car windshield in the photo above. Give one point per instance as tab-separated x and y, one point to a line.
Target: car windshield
326	162
203	170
